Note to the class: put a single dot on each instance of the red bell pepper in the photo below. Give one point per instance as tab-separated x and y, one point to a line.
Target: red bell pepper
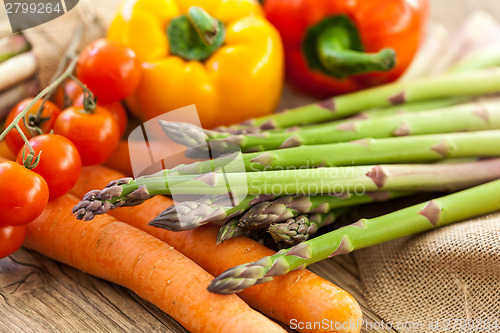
338	46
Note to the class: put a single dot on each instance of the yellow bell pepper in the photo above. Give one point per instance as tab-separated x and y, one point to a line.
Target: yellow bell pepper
239	74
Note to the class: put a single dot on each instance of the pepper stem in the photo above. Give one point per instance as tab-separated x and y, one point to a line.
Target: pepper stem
205	25
334	47
195	36
336	57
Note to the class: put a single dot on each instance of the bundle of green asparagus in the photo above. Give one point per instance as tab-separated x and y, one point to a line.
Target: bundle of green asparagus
302	169
17	72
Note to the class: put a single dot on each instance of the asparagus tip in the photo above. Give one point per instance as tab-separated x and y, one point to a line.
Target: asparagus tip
239	278
229	230
184	133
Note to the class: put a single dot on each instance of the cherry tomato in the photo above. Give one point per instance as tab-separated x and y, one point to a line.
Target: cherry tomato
95	134
11	239
59	164
50	113
23	194
116	109
71	90
110	70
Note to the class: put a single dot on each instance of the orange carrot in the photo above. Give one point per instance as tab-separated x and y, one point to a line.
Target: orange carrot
154	270
301	295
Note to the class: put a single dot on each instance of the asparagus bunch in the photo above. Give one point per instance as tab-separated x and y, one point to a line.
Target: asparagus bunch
281	199
351	179
436	213
466	117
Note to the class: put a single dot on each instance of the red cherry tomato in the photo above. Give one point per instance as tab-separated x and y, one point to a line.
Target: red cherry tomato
110	70
11	239
95	134
116	109
71	90
23	194
59	164
50	113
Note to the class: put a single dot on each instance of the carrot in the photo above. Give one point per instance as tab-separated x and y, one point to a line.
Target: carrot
154	270
299	296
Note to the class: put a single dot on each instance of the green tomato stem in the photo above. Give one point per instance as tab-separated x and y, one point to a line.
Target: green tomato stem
45	91
69	54
89	99
21	133
28	161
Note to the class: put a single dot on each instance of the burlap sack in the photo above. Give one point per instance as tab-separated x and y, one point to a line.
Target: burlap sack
447	280
51	39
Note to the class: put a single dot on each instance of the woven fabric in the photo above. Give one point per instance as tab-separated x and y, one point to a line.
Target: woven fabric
51	39
447	280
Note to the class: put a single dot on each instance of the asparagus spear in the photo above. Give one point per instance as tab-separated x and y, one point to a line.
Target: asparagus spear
432	214
466	117
425	105
477	82
17	69
485	57
230	229
411	149
352	179
13	45
375	112
298	229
